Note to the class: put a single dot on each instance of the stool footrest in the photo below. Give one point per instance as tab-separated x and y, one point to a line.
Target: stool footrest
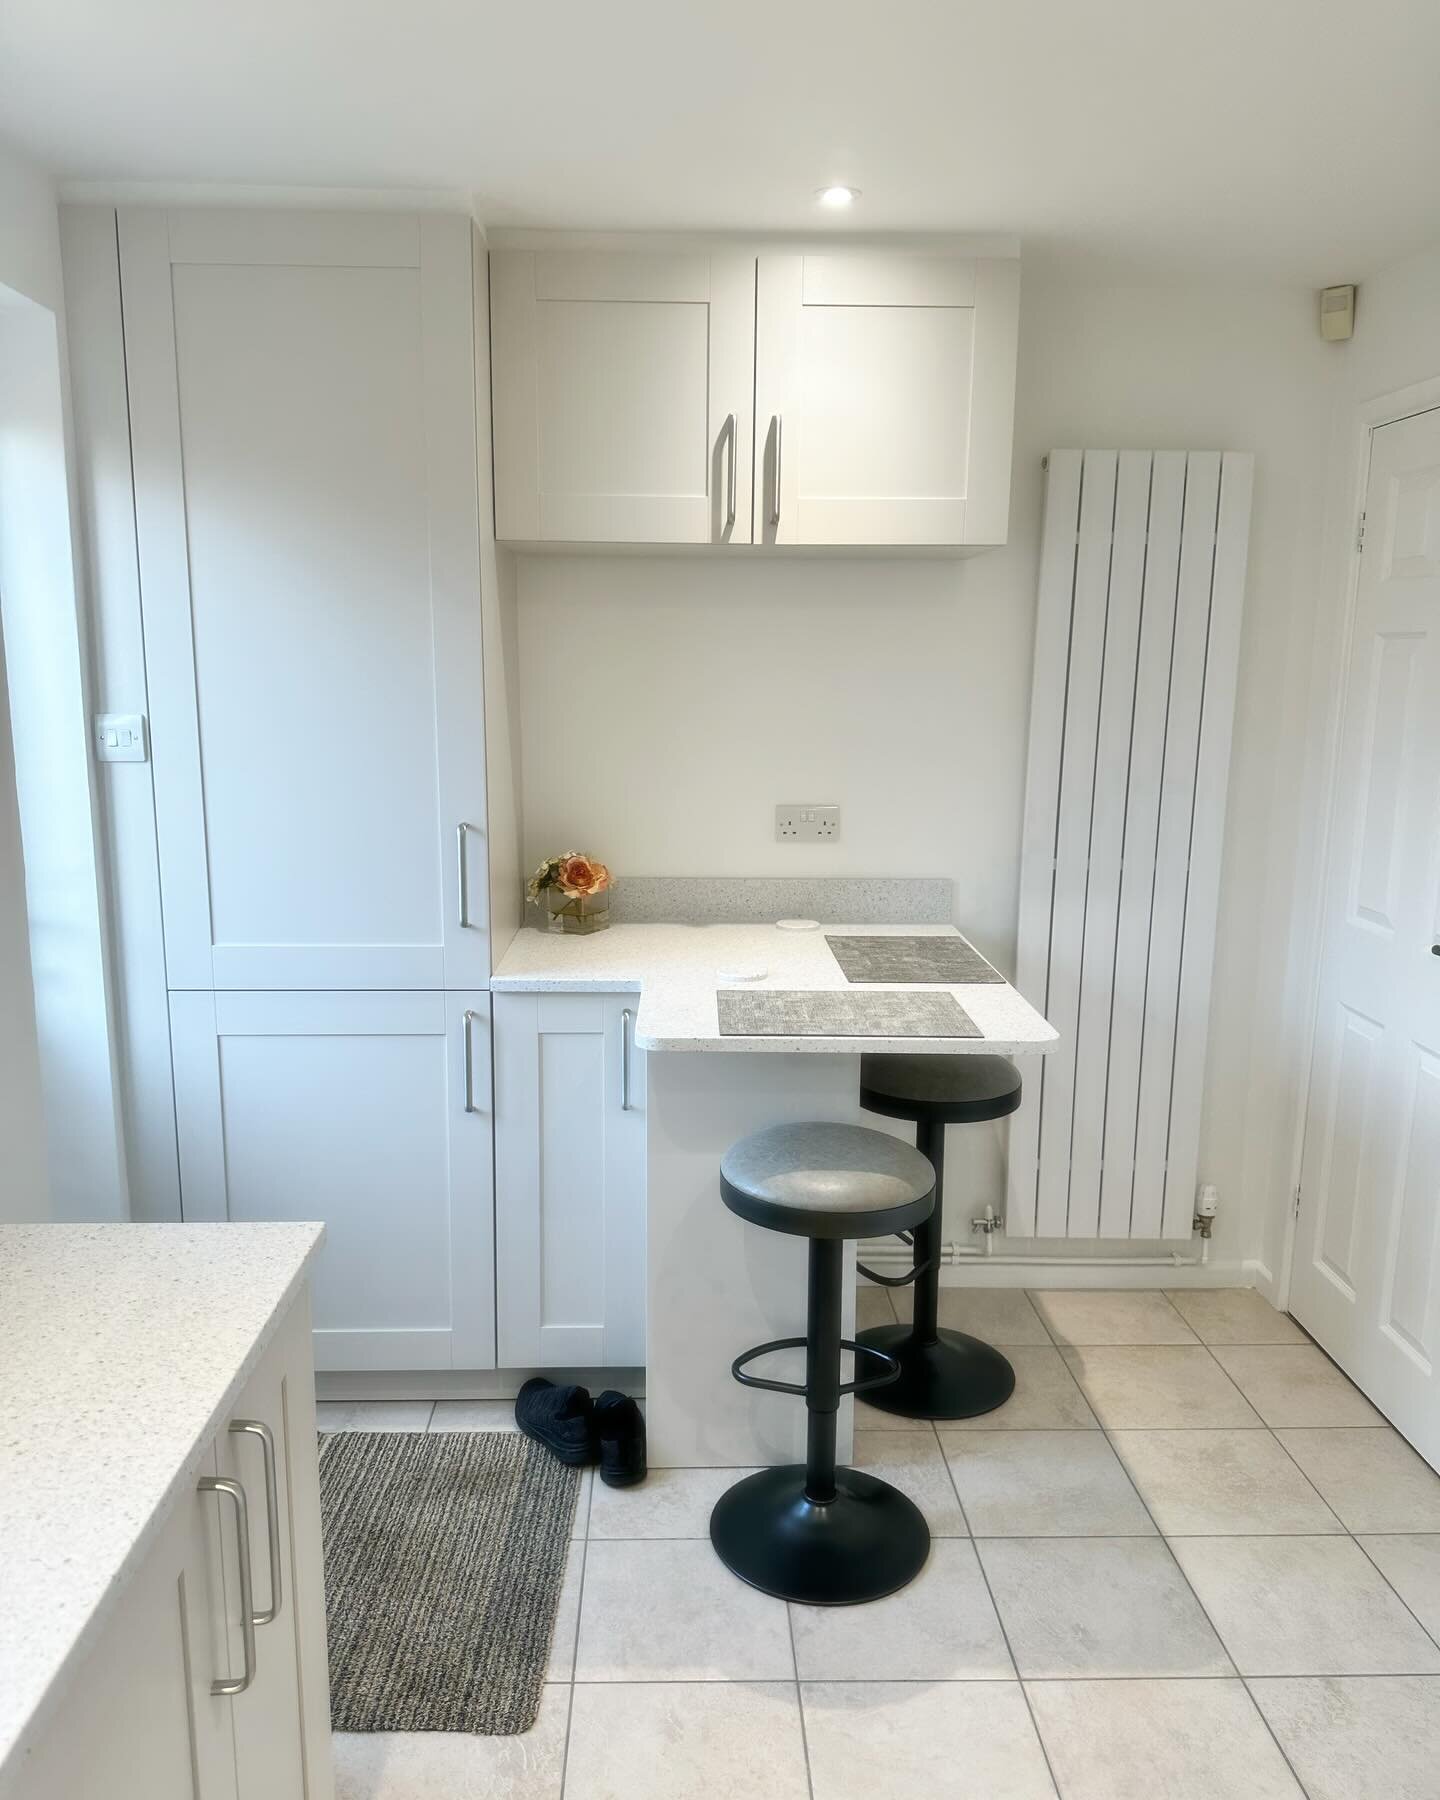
890	1370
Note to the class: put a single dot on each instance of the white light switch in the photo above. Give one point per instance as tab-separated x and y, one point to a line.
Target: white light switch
120	737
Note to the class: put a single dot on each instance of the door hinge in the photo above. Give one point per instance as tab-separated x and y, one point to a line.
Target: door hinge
1360	536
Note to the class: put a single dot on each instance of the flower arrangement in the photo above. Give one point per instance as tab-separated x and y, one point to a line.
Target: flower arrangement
577	890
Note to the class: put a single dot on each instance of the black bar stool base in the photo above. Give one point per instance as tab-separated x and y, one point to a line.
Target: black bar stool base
957	1378
865	1543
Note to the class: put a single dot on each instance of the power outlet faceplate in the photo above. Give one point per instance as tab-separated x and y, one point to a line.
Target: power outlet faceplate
804	822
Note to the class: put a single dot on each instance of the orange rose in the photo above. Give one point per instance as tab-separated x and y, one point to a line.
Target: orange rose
579	877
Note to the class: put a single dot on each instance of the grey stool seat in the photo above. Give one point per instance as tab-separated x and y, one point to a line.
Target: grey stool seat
944	1374
827	1181
814	1532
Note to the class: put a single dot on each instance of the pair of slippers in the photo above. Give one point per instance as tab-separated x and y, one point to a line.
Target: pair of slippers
609	1430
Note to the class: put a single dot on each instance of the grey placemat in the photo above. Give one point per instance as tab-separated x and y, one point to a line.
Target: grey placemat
947	961
444	1555
777	1012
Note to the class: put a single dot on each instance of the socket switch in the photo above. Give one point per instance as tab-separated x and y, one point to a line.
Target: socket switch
804	822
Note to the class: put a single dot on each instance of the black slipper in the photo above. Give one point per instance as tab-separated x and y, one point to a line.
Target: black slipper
620	1426
560	1418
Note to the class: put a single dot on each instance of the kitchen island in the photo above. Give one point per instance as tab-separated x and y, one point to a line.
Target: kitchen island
714	1286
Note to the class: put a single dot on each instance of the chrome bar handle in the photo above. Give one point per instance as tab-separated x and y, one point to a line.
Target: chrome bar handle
779	467
625	1059
258	1428
463	864
732	427
467	1024
220	1484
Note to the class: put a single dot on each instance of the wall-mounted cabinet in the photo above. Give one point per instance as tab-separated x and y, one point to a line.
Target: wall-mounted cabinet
821	399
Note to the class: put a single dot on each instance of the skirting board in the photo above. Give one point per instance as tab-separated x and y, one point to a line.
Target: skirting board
463	1384
1065	1275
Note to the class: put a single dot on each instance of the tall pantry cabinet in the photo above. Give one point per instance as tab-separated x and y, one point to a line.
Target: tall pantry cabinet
302	426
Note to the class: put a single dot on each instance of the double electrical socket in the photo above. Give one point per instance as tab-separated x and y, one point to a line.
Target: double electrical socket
804	822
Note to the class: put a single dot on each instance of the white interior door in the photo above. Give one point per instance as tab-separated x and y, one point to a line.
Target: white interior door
570	1179
623	390
884	394
1367	1263
303	429
372	1113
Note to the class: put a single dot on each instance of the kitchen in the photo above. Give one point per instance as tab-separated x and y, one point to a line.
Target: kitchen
413	552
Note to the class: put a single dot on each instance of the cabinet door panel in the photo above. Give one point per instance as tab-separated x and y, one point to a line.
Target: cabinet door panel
884	399
307	521
614	379
350	1108
570	1180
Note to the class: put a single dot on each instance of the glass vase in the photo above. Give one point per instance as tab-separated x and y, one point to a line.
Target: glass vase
580	913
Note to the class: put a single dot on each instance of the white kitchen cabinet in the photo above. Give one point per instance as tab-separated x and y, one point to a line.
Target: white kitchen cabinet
145	1722
370	1111
570	1181
622	389
873	394
302	419
884	398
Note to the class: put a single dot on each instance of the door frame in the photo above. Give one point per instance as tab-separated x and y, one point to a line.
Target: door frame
1326	712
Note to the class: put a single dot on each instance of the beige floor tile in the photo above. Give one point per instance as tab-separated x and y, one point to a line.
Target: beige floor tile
1358	1740
449	1765
1295	1384
1002	1316
473	1415
1227	1483
1043	1484
872	1306
940	1628
1410	1562
668	1609
915	1465
1304	1606
372	1415
1158	1387
669	1503
1114	1316
1372	1479
1138	1740
677	1741
1233	1316
870	1418
1098	1607
1045	1398
561	1666
966	1740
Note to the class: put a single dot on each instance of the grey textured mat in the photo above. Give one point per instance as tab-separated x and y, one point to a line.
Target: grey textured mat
777	1012
944	960
444	1554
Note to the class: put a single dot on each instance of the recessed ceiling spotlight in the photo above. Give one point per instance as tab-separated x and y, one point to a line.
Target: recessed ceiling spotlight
838	197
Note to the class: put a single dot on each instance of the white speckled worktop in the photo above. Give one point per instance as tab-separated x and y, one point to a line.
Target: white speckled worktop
122	1348
676	969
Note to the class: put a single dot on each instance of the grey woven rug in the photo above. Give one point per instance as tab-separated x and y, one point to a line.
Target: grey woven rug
444	1554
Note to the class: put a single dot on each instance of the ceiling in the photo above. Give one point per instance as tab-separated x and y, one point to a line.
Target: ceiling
1293	140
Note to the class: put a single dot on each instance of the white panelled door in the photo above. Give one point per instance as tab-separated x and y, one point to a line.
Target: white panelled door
623	389
303	431
884	395
369	1111
1366	1275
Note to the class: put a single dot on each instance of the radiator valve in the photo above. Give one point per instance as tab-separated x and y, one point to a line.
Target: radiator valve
989	1221
1207	1204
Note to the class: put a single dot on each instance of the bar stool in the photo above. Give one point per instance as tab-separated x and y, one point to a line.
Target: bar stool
816	1533
943	1374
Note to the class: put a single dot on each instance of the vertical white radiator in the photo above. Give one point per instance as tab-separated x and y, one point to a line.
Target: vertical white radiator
1142	576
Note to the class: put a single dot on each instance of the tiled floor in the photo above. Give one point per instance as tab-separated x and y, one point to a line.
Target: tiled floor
1187	1559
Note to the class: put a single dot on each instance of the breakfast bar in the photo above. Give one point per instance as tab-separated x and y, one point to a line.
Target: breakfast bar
740	1027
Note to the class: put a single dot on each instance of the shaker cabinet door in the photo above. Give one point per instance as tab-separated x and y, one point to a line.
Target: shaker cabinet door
570	1181
303	427
884	398
622	389
370	1112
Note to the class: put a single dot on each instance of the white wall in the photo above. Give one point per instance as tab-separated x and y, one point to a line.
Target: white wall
1396	345
667	703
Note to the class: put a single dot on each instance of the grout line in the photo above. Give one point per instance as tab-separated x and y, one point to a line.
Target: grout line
994	1681
799	1699
565	1747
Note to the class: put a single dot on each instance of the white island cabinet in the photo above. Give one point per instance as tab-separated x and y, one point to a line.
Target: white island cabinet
818	397
164	1399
